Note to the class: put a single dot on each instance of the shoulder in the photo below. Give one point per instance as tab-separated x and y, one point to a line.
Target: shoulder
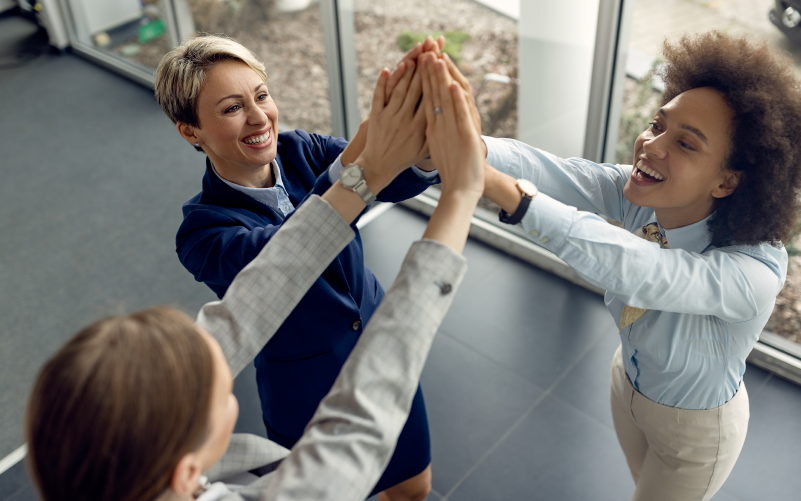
774	257
301	138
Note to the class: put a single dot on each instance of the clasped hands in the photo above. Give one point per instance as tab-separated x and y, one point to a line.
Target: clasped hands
424	108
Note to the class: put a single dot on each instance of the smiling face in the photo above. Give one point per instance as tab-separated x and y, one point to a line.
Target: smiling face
679	160
238	124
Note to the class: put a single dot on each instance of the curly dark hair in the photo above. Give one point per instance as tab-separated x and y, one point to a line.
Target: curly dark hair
760	87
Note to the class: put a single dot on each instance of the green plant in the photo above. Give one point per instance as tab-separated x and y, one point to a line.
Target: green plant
635	117
453	42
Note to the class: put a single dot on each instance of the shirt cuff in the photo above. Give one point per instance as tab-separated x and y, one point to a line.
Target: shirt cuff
424	174
548	222
335	168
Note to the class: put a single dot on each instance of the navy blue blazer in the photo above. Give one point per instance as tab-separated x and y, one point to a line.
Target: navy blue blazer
224	229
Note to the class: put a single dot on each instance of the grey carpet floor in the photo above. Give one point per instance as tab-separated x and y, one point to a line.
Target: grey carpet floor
92	178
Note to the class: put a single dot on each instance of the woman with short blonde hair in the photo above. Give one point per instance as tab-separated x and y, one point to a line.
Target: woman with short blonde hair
215	91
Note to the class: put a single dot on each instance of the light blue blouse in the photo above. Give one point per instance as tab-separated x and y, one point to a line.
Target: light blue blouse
707	305
274	197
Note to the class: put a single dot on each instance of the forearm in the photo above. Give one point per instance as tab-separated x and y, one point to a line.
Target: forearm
728	285
574	181
251	312
356	145
350	439
450	223
500	188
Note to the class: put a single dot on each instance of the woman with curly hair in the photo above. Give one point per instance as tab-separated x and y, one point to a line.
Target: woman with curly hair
692	276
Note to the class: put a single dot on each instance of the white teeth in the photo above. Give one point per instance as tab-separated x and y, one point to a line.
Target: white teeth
257	139
649	171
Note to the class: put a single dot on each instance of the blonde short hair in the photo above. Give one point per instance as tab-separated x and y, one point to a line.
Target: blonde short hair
182	71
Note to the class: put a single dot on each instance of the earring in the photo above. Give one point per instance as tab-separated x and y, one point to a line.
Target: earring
197	145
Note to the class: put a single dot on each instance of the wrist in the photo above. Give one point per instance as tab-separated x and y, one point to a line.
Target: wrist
492	180
460	195
503	191
375	180
356	145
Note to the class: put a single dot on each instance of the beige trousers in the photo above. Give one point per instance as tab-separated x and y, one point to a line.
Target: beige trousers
676	454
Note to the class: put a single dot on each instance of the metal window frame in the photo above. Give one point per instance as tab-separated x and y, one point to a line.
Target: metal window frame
340	50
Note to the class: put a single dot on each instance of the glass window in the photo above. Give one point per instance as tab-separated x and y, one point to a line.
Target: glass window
482	38
133	33
287	35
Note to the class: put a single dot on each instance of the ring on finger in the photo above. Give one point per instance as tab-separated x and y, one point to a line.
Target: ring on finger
438	110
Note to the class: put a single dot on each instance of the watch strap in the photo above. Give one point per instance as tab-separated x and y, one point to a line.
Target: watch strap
363	191
517	216
360	188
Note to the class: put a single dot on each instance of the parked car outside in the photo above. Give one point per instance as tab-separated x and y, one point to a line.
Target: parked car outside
786	15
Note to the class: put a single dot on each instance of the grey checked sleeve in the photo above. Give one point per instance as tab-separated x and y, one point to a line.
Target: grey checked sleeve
352	436
246	452
246	319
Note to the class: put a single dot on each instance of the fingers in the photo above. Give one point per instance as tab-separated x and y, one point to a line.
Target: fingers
379	94
459	77
442	90
399	92
456	74
413	94
428	92
394	78
433	84
440	43
461	110
415	51
429	45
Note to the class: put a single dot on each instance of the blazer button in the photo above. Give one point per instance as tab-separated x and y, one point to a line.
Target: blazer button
445	288
356	325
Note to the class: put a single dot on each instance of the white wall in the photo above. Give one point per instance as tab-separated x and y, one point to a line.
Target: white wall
556	47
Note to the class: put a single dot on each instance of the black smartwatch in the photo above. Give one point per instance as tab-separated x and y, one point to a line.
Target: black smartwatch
528	192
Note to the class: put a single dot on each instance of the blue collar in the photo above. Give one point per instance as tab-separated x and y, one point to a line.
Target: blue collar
691	238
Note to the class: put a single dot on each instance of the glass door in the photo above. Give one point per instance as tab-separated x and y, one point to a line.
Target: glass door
129	36
288	36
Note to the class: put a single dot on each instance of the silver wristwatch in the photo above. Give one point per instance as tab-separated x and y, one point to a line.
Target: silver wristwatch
352	178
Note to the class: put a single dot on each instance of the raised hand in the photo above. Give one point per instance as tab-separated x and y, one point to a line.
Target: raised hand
356	144
460	78
453	140
396	128
428	45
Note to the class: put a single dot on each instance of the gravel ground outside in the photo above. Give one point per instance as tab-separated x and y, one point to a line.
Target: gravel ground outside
292	48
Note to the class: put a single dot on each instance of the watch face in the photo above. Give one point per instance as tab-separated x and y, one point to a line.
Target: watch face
350	176
527	187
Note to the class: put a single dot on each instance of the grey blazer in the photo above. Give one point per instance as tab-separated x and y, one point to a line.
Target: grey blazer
349	441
